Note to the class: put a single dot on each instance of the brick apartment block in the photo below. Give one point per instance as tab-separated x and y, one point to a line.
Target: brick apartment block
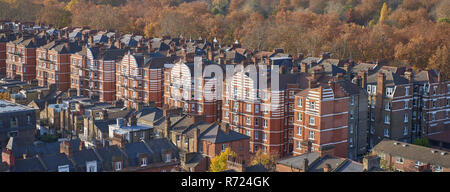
139	78
53	63
331	115
93	72
21	57
179	92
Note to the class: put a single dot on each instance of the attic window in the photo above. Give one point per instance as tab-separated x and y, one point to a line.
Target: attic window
389	92
168	158
118	166
143	162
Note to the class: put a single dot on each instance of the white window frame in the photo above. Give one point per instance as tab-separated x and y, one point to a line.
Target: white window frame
248	121
248	107
299	116
299	131
312	120
299	102
311	135
118	166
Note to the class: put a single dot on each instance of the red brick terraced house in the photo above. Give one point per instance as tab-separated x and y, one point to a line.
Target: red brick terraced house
139	78
53	63
331	117
21	58
93	72
179	92
404	157
218	137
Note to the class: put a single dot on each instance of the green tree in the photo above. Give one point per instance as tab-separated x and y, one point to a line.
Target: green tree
219	163
422	142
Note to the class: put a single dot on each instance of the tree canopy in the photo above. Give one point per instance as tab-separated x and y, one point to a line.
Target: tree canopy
219	162
410	32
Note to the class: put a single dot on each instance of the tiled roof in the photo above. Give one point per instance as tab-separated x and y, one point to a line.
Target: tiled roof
414	152
216	135
297	161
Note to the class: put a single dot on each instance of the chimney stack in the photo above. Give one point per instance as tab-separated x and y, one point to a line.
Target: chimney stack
66	148
440	77
196	136
7	153
305	165
149	46
8	157
303	67
82	146
363	76
409	75
327	168
381	78
300	56
210	54
167	122
371	162
225	128
91	40
118	140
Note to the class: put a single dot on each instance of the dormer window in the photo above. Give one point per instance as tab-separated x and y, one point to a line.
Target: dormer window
143	161
118	166
389	92
168	158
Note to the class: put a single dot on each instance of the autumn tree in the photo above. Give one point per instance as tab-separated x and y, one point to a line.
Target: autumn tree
265	159
440	60
416	52
219	162
4	96
383	13
54	13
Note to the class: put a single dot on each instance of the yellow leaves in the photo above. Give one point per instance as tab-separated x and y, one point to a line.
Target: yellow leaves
440	60
150	29
384	13
219	163
71	5
267	160
4	96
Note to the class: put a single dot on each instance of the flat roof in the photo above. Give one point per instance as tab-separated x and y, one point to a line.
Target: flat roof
127	129
8	107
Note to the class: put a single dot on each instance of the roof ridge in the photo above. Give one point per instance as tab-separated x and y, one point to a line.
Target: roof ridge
42	162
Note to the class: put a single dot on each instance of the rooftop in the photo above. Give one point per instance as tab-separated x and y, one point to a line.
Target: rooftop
9	107
414	152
